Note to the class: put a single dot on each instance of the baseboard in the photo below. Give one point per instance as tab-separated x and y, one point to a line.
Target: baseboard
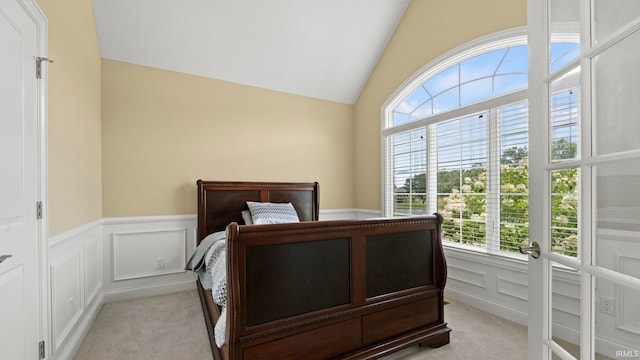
148	290
69	350
487	305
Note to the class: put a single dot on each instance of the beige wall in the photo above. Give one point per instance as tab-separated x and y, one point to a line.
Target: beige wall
162	130
75	179
159	131
427	30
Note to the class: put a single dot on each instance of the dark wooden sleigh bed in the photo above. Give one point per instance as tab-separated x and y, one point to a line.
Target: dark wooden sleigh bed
350	289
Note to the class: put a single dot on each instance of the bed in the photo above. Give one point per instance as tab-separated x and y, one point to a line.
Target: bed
321	289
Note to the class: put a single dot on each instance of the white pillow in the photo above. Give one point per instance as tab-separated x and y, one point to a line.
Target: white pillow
246	216
272	213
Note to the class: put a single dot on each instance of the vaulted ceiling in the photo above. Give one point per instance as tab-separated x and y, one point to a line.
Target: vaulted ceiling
323	49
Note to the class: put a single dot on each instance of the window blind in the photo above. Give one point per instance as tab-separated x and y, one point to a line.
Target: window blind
408	153
461	146
514	176
476	170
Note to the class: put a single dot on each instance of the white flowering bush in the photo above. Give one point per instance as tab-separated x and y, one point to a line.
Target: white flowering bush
462	201
465	210
564	212
463	205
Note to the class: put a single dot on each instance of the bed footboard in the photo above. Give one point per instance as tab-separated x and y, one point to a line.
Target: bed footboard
335	289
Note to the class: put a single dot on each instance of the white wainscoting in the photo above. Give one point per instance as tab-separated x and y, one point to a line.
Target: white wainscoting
66	295
117	259
347	214
498	285
146	256
490	283
618	251
75	282
134	245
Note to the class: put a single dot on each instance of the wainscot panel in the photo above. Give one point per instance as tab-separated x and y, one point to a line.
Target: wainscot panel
93	267
618	251
67	303
75	280
147	255
140	254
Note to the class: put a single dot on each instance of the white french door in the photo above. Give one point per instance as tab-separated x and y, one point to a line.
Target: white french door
584	289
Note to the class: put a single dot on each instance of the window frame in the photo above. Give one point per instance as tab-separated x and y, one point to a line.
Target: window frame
482	45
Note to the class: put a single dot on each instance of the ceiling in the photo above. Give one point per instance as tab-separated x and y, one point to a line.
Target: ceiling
323	49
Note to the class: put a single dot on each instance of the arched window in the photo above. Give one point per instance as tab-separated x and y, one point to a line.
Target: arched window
455	140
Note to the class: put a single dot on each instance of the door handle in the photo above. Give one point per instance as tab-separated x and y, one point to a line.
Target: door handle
533	250
4	257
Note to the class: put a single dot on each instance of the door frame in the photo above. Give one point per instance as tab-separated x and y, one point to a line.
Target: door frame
39	18
538	279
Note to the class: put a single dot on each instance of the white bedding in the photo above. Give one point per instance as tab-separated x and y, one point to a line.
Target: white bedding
209	261
216	268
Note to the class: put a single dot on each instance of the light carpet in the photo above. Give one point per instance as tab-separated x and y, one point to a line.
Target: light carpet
172	327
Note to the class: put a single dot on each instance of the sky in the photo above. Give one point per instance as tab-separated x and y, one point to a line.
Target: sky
479	78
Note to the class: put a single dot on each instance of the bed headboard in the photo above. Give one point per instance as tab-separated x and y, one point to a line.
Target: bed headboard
221	202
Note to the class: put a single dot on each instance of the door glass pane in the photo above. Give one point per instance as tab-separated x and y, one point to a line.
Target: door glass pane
564	31
616	106
617	317
564	117
611	15
564	211
617	216
565	305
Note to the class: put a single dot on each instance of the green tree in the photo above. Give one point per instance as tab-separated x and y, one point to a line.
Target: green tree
563	149
514	155
416	184
447	180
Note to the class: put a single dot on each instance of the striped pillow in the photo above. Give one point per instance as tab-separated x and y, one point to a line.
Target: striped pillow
272	213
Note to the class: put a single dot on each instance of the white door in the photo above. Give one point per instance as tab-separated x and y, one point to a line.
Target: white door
20	280
584	289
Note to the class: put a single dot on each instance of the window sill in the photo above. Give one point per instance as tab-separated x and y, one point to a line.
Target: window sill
501	258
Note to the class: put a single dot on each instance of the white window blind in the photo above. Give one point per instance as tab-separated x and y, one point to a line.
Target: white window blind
514	176
477	167
408	152
461	146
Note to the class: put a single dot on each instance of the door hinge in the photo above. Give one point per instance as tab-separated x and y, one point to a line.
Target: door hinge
41	349
39	210
39	61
